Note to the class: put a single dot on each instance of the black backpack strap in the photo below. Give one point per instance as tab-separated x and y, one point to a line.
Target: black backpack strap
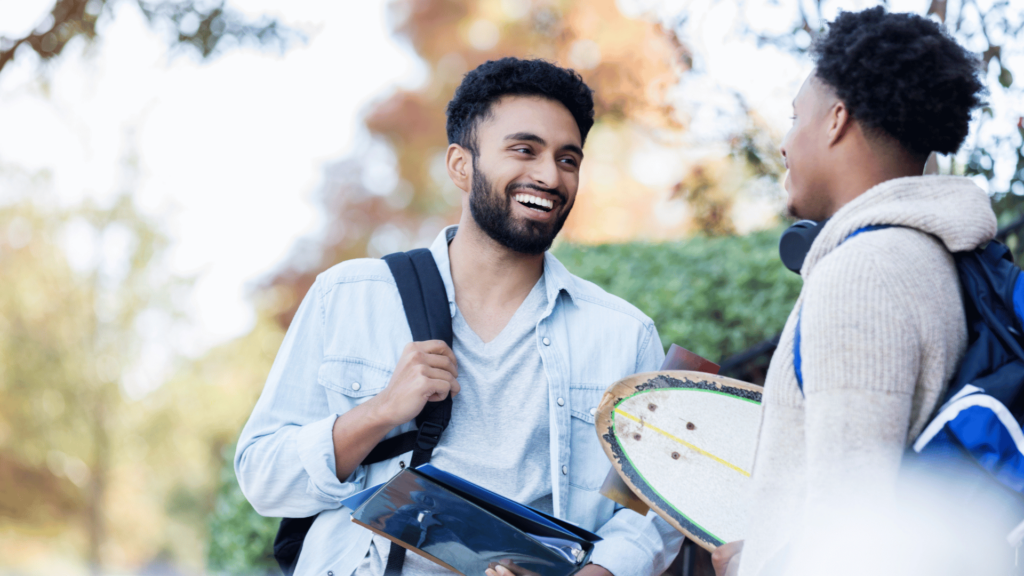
425	301
288	542
426	307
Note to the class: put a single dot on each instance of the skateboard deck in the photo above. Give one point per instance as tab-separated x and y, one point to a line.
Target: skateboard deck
614	488
684	442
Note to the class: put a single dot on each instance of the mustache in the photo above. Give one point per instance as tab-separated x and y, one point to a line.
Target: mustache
523	186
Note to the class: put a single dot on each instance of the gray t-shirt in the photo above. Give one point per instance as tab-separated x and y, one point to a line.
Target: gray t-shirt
499	433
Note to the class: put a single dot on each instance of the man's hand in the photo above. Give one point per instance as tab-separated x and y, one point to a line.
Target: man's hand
426	372
726	558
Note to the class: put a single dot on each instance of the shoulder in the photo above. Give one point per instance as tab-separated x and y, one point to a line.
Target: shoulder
594	300
887	274
896	256
355	271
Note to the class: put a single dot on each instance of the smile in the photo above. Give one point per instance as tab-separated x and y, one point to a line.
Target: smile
535	202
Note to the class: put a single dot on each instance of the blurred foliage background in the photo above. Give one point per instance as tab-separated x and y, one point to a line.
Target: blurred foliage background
101	472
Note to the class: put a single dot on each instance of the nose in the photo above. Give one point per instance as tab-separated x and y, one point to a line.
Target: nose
545	172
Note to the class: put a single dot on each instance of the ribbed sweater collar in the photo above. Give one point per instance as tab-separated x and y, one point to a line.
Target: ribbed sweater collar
951	208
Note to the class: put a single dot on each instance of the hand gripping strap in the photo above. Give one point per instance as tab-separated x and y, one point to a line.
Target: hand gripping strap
426	307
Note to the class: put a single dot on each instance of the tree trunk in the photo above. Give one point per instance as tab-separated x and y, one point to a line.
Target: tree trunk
97	488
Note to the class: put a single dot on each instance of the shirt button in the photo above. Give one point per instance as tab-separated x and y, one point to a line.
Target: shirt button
546	342
330	573
565	470
355	385
561	402
593	411
401	464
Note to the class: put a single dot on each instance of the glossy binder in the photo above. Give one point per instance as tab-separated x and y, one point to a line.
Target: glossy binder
466	528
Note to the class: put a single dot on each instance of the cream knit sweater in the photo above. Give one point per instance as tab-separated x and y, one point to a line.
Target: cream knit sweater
882	331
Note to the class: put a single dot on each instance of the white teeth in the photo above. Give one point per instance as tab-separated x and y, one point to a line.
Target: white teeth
531	199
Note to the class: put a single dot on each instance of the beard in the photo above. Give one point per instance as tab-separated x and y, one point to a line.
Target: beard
492	212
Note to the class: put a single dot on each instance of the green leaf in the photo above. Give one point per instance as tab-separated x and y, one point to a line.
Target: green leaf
1005	77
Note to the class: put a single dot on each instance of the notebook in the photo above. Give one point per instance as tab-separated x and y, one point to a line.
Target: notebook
467	528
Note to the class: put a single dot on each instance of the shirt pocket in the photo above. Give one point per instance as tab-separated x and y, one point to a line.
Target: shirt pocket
588	463
351	381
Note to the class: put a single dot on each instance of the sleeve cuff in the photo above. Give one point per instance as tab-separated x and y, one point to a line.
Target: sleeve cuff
315	447
619	556
636	545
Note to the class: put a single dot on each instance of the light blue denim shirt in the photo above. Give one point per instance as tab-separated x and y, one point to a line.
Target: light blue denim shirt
340	350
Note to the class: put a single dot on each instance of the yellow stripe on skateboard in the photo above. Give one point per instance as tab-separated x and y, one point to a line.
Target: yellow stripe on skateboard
683	442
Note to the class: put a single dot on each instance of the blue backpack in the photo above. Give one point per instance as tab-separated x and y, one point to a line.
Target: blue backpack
975	441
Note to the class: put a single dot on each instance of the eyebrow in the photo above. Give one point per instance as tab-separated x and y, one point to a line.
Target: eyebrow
531	137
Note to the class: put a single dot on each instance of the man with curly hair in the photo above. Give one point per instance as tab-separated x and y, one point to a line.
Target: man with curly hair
880	321
534	348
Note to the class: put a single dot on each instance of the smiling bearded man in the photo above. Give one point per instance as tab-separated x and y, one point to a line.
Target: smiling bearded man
534	348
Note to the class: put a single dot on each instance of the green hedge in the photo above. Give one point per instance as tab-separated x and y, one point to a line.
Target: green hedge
713	296
241	541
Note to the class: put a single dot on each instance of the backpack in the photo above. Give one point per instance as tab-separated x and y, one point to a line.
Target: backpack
975	443
426	309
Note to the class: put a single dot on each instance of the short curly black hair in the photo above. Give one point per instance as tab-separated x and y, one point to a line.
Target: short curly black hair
495	79
903	75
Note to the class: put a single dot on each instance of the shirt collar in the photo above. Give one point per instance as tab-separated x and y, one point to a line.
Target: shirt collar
439	249
557	278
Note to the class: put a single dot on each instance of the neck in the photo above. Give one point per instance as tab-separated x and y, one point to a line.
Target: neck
865	166
487	275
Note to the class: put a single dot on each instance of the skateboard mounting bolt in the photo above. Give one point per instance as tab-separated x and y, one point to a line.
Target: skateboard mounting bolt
636	437
652	407
675	455
690	426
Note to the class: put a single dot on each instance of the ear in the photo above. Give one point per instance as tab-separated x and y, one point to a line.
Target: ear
459	162
839	122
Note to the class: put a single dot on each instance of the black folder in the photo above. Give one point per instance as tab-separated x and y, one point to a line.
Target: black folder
468	529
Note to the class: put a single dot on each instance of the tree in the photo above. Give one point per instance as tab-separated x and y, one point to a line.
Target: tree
73	334
203	27
993	30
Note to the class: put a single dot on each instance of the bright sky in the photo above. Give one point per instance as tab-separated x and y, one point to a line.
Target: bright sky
231	150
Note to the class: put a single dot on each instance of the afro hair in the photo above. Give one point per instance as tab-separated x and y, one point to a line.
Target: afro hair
495	79
902	75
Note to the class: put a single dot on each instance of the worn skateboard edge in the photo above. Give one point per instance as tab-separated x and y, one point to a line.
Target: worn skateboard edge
605	428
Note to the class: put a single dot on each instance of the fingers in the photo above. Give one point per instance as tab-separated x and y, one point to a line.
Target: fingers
498	570
441	361
439	384
434	384
725	558
436	347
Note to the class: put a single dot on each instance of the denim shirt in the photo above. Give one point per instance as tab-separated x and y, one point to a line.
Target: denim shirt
340	350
